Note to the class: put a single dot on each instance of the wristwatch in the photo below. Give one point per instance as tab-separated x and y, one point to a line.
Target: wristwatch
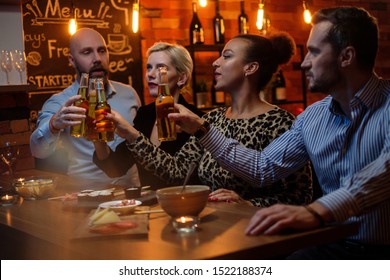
204	127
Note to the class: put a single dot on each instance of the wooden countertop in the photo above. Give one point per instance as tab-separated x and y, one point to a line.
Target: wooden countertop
45	229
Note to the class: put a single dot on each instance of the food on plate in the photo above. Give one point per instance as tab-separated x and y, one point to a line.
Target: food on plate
105	216
113	228
91	195
124	202
121	207
107	221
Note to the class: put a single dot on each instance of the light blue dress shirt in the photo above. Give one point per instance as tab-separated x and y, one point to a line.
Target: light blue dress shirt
122	98
351	158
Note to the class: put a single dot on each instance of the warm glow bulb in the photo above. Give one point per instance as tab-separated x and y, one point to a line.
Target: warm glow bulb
260	17
72	26
307	16
203	3
135	17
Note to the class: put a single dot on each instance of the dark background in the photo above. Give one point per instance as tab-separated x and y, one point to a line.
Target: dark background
46	38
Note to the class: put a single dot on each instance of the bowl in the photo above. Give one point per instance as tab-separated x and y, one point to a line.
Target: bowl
189	203
122	207
133	192
36	187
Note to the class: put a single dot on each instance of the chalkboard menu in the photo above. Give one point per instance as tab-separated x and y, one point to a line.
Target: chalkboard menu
46	39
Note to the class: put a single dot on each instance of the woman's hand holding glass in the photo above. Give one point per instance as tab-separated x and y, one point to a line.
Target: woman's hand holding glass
185	119
122	127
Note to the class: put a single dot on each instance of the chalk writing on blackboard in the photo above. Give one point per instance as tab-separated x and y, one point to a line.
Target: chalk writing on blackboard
46	40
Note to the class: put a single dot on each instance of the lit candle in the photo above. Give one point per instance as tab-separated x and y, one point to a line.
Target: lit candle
7	199
185	223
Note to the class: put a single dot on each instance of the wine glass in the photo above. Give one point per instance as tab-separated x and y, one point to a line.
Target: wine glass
9	152
6	63
19	62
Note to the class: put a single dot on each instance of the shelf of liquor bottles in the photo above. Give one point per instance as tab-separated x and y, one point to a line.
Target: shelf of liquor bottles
202	76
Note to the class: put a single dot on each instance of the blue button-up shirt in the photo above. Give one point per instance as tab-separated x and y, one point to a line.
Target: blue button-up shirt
351	157
122	98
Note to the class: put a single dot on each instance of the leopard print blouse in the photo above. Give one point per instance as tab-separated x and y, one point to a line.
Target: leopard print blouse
255	133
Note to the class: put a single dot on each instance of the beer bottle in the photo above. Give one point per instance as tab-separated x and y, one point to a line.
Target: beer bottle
104	127
164	105
78	130
90	131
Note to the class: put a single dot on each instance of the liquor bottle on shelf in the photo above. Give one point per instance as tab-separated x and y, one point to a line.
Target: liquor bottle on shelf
279	88
166	128
196	29
219	26
90	132
104	127
78	130
243	22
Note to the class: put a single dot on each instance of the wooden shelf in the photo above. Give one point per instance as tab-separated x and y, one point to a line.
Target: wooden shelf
192	49
205	48
17	88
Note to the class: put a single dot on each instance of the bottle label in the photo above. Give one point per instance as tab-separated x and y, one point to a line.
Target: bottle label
166	128
198	37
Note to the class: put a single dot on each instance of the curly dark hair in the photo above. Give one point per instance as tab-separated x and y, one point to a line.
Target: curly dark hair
269	52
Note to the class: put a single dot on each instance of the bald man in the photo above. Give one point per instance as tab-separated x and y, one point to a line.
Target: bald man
88	54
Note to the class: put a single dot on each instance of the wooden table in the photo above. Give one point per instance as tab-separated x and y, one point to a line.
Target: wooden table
43	229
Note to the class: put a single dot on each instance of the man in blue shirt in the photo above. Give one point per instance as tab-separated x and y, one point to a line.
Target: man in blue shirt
88	54
346	136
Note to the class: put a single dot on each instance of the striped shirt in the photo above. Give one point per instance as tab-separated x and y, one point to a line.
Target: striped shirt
351	158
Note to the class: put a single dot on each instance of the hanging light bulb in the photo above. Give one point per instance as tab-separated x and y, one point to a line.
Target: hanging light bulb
306	13
135	16
203	3
72	26
260	15
72	22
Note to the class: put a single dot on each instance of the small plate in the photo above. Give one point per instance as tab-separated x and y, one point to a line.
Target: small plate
120	206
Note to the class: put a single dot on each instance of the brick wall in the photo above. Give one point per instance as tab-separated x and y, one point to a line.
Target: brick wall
169	21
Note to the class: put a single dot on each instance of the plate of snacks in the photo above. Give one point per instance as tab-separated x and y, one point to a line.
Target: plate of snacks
123	207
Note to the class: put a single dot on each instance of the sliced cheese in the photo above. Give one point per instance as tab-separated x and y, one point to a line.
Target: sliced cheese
106	218
98	213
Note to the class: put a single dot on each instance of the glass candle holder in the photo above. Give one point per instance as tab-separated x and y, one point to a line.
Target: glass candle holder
185	224
8	200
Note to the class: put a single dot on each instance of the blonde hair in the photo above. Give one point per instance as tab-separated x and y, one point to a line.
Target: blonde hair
179	55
